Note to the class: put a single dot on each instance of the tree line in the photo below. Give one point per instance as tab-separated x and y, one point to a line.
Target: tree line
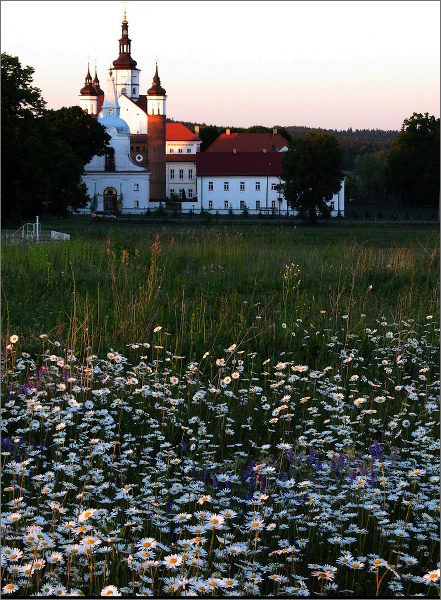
44	153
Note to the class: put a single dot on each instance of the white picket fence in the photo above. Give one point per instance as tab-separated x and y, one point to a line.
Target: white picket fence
31	232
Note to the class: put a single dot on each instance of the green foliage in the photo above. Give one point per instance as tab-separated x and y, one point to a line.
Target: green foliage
86	137
367	182
34	141
19	99
208	133
414	161
311	174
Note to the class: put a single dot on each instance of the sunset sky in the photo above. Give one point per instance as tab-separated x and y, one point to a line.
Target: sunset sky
334	65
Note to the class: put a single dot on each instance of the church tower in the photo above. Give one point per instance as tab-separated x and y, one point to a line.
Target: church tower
99	92
156	139
89	96
126	73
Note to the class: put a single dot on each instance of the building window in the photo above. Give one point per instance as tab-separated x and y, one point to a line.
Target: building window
172	192
332	205
226	204
136	187
190	173
242	205
210	204
190	193
210	186
273	186
181	173
136	203
181	193
226	186
172	150
257	186
180	151
273	204
172	173
188	150
242	186
257	204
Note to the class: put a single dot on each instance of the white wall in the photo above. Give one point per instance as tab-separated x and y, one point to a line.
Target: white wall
187	183
250	196
234	196
135	118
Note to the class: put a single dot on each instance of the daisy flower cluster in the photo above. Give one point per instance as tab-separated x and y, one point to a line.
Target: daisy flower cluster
146	474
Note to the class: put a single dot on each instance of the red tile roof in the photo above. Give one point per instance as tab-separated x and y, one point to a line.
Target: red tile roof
248	142
177	132
242	163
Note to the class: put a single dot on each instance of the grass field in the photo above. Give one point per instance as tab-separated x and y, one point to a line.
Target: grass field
221	410
209	286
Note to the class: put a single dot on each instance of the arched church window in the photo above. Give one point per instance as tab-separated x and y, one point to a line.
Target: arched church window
110	159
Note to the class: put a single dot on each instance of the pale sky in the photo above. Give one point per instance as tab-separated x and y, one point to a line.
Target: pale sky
331	64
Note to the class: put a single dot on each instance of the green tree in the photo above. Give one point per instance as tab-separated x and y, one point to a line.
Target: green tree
208	134
311	174
43	152
369	177
258	129
413	171
21	105
84	134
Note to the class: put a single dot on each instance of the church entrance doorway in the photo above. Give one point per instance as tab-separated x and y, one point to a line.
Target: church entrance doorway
110	200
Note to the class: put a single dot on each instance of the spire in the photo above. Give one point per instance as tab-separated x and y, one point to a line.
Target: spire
109	115
124	60
96	84
111	99
156	89
99	92
89	88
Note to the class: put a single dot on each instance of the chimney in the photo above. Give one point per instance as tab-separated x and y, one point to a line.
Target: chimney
196	130
274	132
228	131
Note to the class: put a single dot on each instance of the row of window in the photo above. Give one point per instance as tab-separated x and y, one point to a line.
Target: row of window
181	173
181	193
241	186
242	204
180	151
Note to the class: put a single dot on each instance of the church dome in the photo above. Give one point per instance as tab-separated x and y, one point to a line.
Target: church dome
109	120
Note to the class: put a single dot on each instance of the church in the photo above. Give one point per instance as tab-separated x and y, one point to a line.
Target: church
151	162
134	175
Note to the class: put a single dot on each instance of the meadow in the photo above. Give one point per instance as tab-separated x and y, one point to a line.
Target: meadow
221	410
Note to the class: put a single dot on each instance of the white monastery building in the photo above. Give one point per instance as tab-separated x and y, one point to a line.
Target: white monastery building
152	162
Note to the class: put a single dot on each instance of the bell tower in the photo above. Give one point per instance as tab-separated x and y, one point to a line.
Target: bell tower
156	139
126	73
